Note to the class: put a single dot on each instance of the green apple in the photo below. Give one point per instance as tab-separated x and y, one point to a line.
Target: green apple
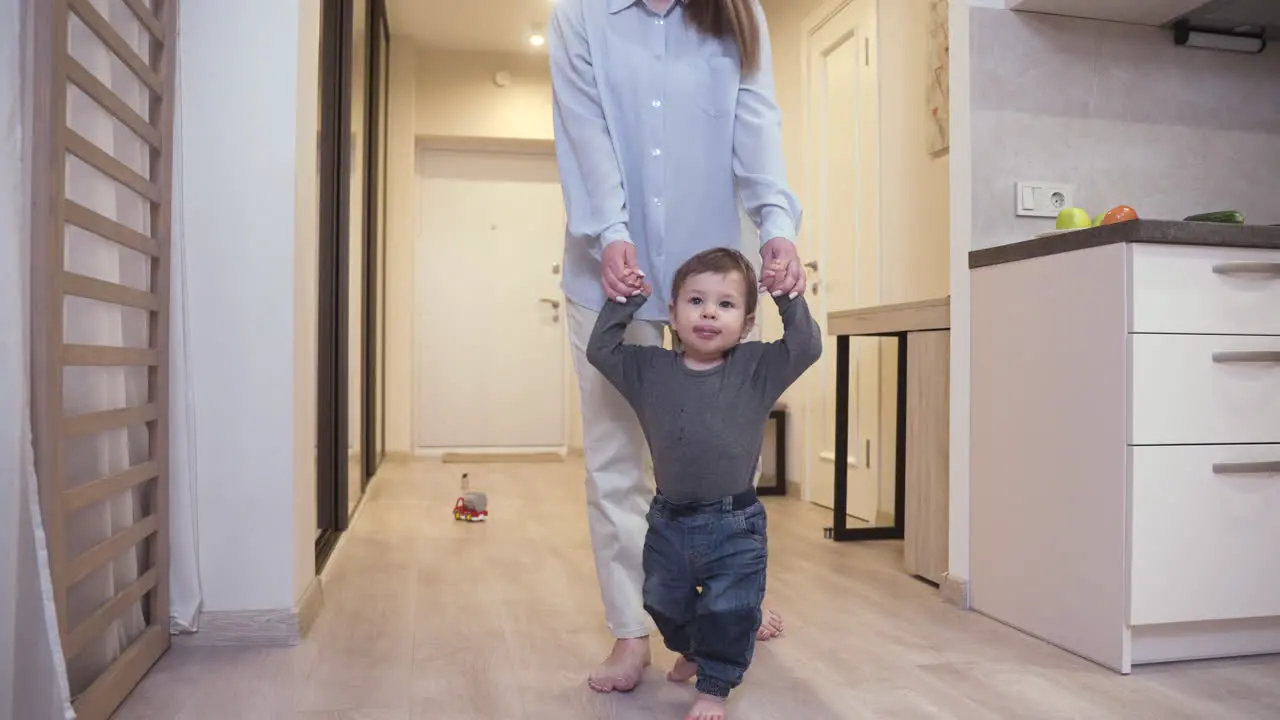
1073	219
1097	219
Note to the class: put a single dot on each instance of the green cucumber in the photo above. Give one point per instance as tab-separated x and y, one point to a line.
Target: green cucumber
1229	217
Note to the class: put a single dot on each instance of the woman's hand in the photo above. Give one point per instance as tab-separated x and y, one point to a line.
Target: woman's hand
620	275
782	272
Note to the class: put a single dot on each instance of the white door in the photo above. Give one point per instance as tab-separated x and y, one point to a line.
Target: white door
490	339
843	237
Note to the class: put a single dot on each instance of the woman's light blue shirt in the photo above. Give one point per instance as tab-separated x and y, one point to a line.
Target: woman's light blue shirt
660	142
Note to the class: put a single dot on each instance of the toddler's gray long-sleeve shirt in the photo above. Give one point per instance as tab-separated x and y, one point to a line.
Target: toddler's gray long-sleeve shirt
704	427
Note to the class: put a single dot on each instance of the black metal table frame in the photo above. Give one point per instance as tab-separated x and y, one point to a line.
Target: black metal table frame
840	530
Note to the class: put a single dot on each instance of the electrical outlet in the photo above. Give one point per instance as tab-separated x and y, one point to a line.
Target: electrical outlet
1042	199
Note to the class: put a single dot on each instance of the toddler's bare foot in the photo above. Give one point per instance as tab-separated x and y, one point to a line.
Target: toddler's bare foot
621	671
706	708
683	670
770	626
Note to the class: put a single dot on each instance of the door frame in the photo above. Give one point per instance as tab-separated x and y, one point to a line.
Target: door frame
332	514
493	146
333	511
373	334
823	385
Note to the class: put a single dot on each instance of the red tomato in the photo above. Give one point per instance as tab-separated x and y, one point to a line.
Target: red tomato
1119	214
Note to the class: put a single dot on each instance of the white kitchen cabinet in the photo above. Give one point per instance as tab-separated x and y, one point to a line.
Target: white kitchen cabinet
1139	12
1125	425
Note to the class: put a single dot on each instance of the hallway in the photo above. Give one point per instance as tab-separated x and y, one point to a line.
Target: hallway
428	619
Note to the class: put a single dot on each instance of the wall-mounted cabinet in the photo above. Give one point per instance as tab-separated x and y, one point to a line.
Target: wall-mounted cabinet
1139	12
1225	14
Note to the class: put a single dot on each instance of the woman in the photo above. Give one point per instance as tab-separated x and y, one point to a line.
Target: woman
664	119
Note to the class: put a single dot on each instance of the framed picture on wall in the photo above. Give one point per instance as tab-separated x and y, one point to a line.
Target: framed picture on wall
938	89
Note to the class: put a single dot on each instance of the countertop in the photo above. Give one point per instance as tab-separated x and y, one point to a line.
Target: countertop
889	320
1165	232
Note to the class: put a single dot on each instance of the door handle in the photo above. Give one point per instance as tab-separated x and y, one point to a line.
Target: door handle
1248	267
555	304
1246	468
1247	356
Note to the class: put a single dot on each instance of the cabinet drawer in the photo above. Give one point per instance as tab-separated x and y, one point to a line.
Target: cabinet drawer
1197	289
1204	533
1204	389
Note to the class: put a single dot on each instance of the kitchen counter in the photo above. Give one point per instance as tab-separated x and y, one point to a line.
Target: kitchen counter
1125	452
1164	232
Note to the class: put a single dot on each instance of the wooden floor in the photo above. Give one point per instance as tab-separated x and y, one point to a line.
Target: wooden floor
428	619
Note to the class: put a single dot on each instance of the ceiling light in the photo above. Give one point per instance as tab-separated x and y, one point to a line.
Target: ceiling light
537	40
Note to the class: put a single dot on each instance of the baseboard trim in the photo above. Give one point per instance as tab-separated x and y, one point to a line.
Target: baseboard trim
795	489
500	457
955	590
1180	642
272	628
310	605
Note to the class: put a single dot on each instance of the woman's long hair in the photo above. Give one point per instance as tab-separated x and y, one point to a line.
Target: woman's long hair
731	19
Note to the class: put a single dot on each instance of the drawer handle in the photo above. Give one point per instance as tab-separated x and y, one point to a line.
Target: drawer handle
1256	267
1247	356
1246	468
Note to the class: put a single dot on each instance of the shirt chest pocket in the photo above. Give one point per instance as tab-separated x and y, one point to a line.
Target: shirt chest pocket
716	90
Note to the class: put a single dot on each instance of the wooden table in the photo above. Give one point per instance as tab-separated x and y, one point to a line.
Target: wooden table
923	331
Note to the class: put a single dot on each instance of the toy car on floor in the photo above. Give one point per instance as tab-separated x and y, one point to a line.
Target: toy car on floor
467	510
473	506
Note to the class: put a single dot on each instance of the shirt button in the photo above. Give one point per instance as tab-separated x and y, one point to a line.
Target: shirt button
657	103
658	21
657	201
657	152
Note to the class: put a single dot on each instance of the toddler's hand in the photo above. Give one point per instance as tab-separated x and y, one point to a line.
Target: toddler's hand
771	269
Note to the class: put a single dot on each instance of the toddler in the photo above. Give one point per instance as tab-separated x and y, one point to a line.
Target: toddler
703	409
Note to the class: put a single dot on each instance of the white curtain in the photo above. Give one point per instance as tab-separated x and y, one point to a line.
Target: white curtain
33	682
186	596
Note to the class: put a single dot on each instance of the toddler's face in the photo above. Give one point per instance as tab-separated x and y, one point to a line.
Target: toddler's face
710	314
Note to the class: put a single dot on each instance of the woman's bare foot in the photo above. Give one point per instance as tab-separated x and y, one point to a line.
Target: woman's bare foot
683	670
621	671
706	708
770	626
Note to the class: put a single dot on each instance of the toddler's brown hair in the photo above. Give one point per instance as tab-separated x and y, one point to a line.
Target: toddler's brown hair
719	261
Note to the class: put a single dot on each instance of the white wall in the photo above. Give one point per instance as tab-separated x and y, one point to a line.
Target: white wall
306	296
402	233
457	97
1125	115
915	207
247	145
